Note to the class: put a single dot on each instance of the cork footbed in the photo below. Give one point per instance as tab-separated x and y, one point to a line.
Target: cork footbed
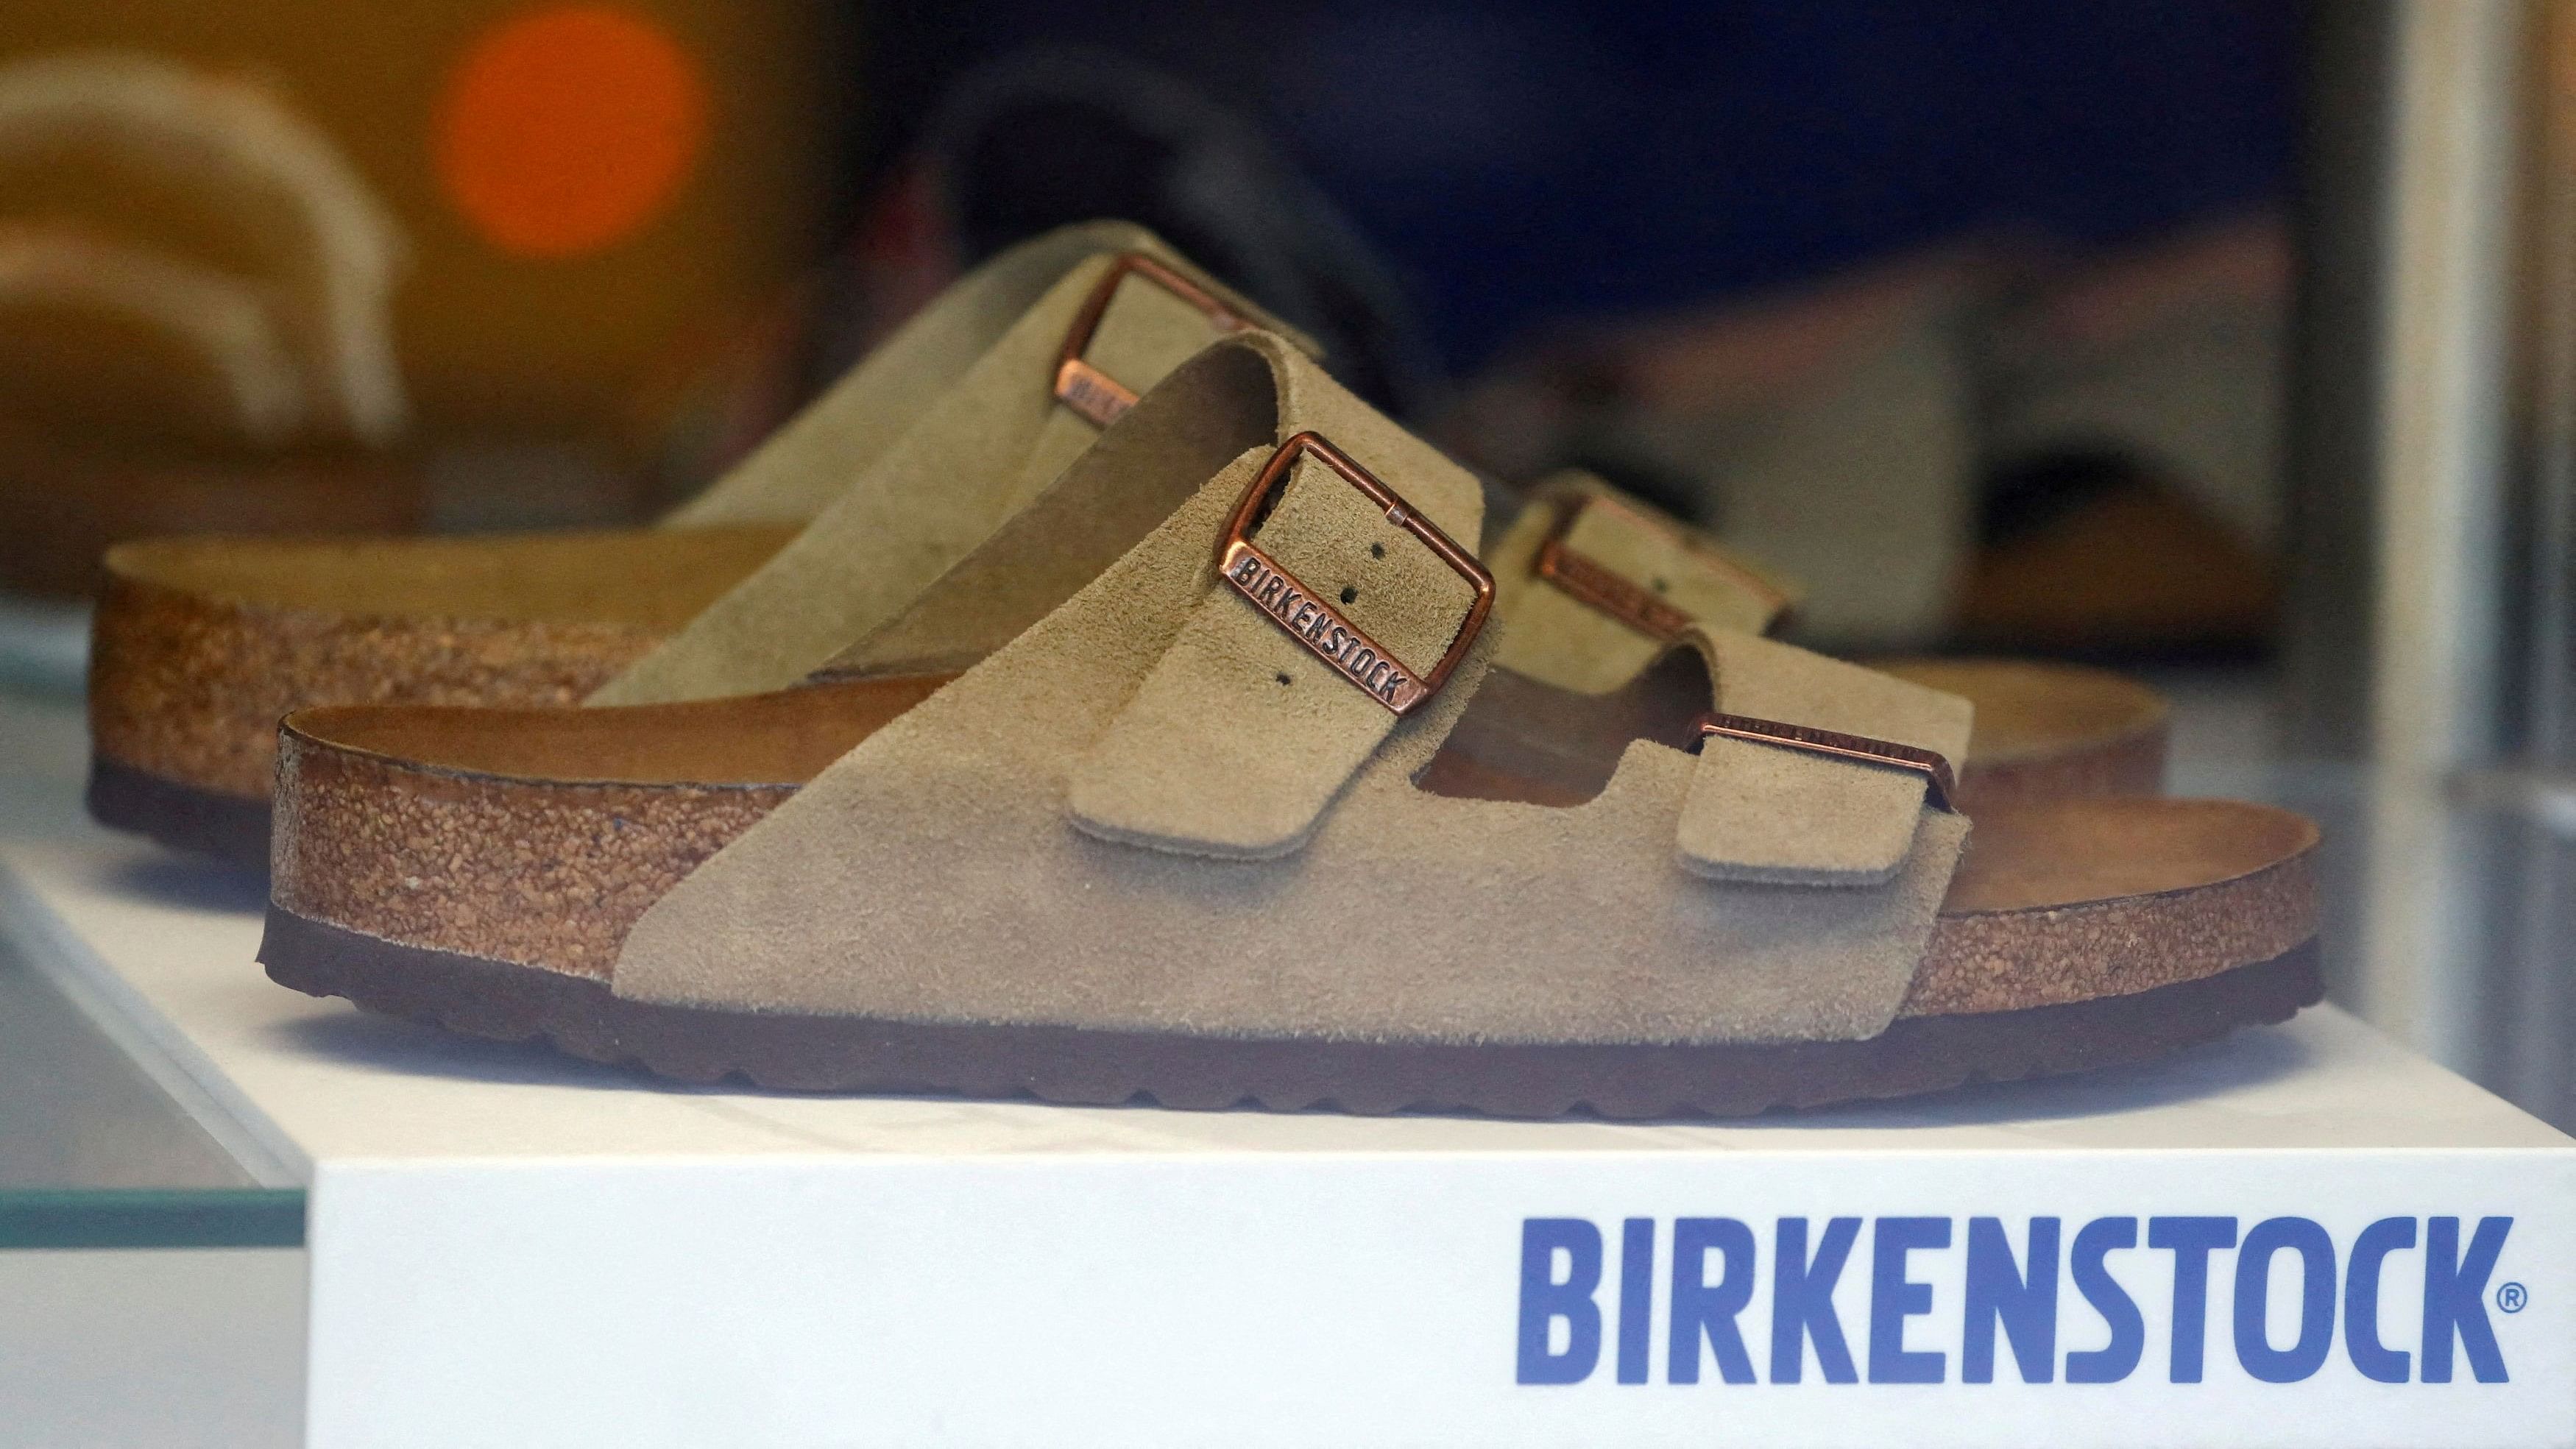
537	838
201	644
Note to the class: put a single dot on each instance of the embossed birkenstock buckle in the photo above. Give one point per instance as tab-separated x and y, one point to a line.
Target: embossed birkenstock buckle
1093	393
1931	765
1309	618
1590	581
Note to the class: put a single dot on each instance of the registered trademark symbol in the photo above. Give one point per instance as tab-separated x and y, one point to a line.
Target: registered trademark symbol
2511	1297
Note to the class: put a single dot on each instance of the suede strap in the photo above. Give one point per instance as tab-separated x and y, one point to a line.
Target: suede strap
973	458
807	462
1219	409
1766	812
1596	584
932	874
1241	735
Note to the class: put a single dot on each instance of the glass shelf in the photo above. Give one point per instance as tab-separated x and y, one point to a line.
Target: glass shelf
94	1153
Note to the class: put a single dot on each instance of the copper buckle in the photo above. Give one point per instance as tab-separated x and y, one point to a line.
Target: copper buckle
1093	393
1590	581
1934	767
1309	618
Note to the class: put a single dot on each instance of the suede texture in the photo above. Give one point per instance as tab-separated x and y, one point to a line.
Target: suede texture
1557	638
1764	812
1215	408
805	465
1239	737
993	438
938	871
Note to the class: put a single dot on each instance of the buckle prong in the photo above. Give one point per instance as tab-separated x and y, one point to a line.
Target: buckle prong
1310	618
1085	388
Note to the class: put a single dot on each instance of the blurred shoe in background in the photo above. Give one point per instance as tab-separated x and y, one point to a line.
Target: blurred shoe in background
1828	432
2133	498
1977	447
194	318
1049	135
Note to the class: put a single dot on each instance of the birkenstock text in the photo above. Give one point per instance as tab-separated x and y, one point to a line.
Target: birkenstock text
1334	639
1713	1273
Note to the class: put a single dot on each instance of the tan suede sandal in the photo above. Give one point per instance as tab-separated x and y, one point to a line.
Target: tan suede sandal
202	643
1234	809
1596	584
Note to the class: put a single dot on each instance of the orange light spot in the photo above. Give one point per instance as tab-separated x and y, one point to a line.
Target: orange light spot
565	129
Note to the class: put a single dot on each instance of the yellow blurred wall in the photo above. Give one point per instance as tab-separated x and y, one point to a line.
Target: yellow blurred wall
491	339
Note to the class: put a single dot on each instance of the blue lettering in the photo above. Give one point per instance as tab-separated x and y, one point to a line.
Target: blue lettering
2191	1241
2117	1359
1545	1298
2024	1303
1700	1307
1802	1301
1636	1296
2377	1362
2254	1349
1893	1298
1715	1263
2455	1298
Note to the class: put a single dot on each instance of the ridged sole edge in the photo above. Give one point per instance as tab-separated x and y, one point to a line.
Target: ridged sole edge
1074	1065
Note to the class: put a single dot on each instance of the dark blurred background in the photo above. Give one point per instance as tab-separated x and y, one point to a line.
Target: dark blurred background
1521	164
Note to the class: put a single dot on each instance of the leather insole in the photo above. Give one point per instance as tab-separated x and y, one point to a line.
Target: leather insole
2025	708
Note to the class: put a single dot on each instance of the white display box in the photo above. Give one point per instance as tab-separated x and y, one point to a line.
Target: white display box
513	1249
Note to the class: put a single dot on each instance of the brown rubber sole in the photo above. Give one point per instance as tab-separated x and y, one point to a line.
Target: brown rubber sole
182	817
1917	1054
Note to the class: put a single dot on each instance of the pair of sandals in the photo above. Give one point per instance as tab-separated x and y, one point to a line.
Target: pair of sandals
1090	698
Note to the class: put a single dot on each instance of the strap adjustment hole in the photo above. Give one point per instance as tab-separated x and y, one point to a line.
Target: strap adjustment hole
1350	593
